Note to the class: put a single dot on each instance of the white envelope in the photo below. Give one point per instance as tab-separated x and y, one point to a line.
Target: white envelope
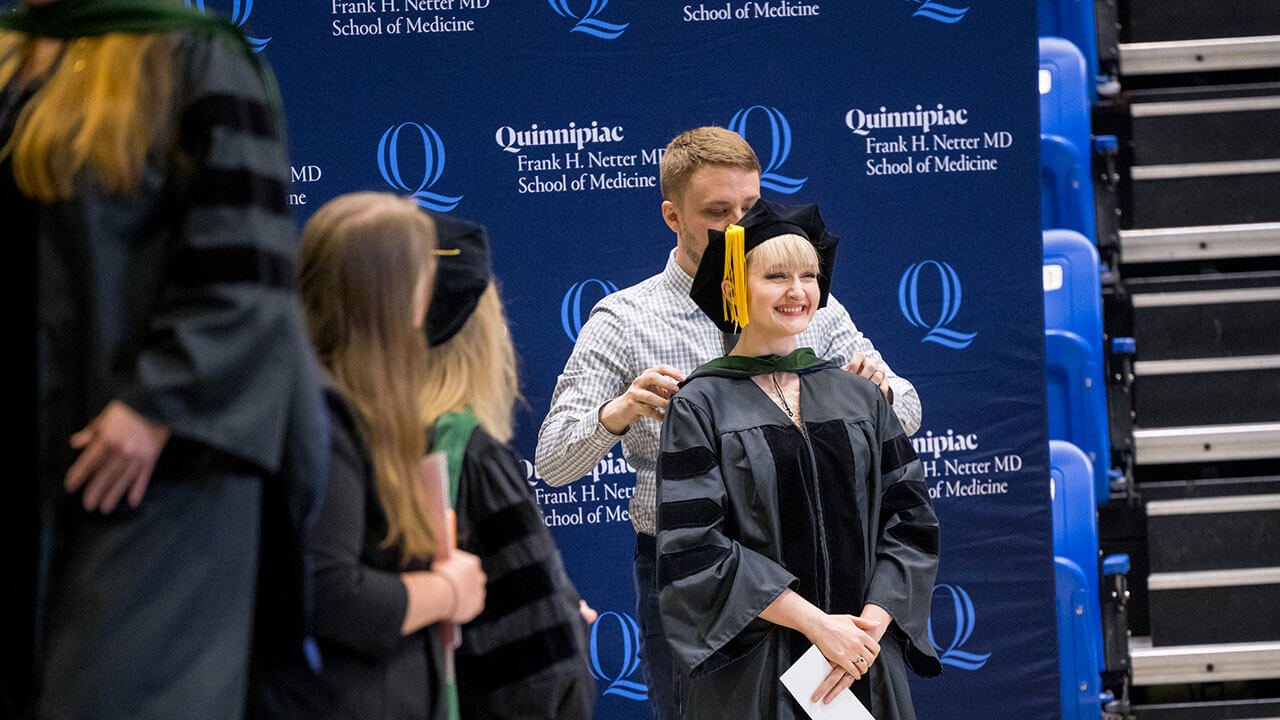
806	675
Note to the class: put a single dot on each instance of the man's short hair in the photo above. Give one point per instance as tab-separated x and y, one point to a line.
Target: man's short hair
692	149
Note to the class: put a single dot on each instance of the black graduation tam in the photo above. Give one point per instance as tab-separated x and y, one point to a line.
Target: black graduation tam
462	274
725	257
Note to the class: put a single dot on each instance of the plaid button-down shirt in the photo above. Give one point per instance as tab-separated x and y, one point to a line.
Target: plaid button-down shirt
655	322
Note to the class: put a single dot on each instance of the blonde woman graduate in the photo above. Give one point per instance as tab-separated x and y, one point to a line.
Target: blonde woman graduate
792	510
169	427
367	275
525	656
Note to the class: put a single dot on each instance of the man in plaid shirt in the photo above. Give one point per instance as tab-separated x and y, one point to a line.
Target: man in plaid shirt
640	342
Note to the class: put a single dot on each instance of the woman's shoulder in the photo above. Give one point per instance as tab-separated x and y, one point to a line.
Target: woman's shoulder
840	393
503	470
704	389
213	61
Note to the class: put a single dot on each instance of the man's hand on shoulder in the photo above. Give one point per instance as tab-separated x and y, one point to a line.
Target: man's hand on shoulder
647	396
871	370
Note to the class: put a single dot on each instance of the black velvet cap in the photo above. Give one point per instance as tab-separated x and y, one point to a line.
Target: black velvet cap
764	221
462	274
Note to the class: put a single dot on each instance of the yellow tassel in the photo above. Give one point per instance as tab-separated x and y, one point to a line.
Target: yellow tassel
735	271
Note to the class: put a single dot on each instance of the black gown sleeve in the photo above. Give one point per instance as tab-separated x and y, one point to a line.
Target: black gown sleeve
906	557
525	655
225	340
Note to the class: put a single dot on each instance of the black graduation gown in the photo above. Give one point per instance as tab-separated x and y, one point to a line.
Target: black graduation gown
525	656
749	506
177	300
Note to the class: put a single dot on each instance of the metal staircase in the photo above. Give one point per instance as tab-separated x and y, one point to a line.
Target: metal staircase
1193	215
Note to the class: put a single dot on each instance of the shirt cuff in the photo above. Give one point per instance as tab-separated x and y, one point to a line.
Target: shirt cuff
600	434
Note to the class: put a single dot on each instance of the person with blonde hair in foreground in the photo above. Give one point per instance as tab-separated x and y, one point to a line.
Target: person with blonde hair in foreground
166	395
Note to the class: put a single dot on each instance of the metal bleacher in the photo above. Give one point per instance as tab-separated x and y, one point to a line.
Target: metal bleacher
1180	197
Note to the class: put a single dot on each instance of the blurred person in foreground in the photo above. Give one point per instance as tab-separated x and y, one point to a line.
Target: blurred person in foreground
170	425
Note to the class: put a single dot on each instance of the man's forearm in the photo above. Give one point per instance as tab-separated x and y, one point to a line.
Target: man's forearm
569	447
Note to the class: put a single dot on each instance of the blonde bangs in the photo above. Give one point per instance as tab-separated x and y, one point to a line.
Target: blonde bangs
783	253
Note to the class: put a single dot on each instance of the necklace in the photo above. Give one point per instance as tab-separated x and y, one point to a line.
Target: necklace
781	397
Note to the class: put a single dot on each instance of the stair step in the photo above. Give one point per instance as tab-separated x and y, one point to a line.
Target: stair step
1201	55
1225	606
1206	443
1251	709
1170	129
1211	193
1206	317
1218	662
1200	242
1189	537
1207	391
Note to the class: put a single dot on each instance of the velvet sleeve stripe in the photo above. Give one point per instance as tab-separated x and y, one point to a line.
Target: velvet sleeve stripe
521	657
903	496
240	188
921	537
195	268
509	525
515	589
894	453
686	463
698	512
680	565
224	110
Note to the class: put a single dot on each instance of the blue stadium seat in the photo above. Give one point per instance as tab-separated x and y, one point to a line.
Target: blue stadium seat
1073	20
1066	195
1065	143
1064	97
1076	389
1077	657
1086	638
1075	527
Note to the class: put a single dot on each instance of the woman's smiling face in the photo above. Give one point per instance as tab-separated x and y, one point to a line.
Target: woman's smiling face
782	290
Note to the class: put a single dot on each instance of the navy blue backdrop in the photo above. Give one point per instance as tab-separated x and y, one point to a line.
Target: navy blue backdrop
913	123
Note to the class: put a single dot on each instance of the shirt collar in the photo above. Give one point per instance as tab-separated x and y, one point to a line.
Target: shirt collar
676	275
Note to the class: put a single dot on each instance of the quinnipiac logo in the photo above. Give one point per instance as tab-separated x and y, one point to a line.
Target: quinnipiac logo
240	11
966	618
571	306
939	12
909	304
779	147
391	162
624	649
587	22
